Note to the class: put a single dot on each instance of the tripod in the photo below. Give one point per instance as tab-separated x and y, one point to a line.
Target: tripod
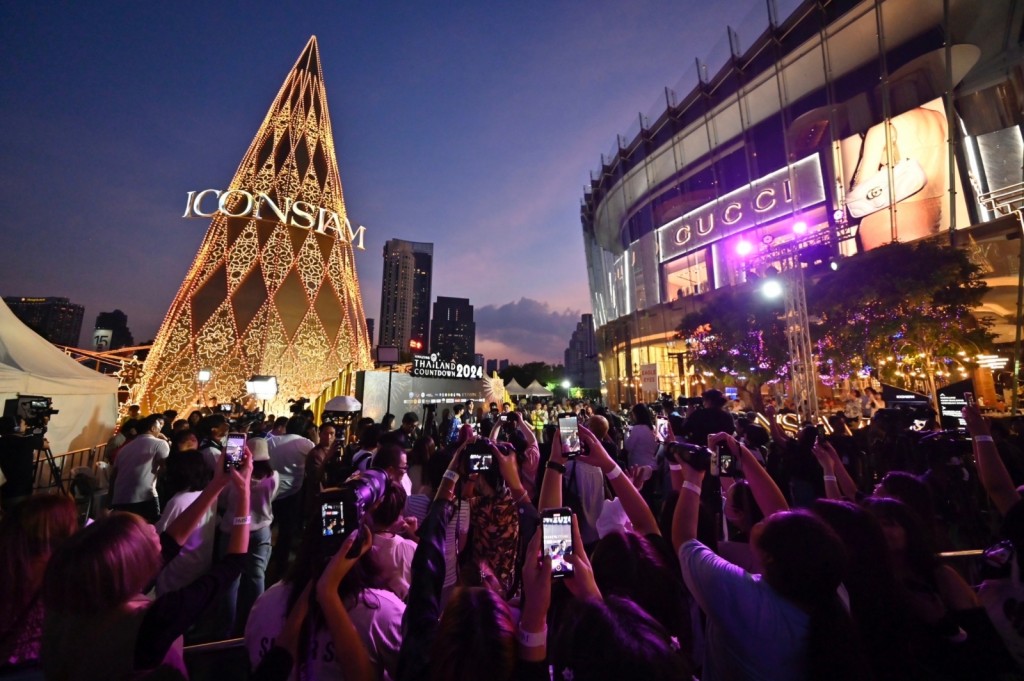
55	471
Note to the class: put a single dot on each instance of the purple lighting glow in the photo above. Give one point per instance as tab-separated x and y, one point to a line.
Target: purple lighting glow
800	227
744	248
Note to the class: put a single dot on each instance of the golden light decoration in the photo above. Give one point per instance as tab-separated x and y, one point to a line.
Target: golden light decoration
263	297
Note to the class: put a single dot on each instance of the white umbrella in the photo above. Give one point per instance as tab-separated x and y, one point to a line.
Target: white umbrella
343	403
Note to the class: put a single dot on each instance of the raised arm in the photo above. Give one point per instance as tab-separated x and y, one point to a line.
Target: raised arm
551	485
181	528
778	435
351	653
637	510
684	519
766	493
993	474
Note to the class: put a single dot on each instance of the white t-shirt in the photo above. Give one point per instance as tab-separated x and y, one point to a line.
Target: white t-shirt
376	615
752	632
393	554
196	554
135	481
288	458
642	446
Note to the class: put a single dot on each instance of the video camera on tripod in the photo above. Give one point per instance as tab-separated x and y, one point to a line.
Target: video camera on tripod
34	410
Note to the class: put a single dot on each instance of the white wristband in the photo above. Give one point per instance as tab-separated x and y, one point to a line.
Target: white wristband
451	475
830	478
687	485
531	639
675	466
614	473
242	520
983	438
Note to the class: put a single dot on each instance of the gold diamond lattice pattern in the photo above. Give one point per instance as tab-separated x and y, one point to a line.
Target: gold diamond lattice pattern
263	297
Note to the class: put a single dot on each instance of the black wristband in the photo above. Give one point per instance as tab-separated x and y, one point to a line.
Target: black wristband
555	466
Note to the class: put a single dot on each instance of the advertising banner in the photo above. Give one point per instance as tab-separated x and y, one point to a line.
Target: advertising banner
101	339
900	170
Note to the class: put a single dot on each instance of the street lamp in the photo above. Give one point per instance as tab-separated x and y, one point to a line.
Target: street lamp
566	384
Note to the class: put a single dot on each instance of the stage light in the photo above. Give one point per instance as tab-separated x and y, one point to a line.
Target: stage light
771	288
744	248
800	227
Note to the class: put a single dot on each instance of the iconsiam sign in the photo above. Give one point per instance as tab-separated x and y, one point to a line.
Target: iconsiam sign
273	290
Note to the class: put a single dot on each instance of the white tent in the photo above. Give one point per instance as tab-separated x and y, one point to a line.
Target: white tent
535	389
86	399
513	388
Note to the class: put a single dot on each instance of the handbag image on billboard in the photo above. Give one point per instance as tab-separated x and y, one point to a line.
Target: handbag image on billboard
872	195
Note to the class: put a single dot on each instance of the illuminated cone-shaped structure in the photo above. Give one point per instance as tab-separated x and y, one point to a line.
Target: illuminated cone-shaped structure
264	297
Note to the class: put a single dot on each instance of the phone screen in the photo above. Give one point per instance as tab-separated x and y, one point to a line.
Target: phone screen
556	541
480	462
969	399
569	431
234	449
332	519
503	417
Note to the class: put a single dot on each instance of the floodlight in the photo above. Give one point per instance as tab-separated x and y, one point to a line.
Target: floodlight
263	387
771	288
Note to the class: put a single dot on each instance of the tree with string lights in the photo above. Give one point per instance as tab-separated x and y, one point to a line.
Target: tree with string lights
901	311
740	337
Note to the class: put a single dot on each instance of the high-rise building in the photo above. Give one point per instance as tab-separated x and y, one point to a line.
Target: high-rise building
502	364
58	320
369	330
581	366
405	294
112	332
273	291
452	330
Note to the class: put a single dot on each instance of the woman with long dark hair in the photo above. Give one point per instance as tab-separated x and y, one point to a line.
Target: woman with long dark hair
99	623
791	624
29	534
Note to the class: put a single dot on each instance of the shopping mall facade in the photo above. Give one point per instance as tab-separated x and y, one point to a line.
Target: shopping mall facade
839	124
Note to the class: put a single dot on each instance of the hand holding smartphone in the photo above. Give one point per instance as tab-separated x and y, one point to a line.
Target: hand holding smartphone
234	451
569	432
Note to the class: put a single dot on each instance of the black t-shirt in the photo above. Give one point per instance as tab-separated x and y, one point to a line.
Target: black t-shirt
17	460
704	422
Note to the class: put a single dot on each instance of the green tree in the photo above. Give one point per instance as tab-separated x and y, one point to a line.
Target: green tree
901	309
740	336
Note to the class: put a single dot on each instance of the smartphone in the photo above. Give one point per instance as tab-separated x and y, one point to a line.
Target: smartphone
969	399
337	521
480	462
234	450
556	540
569	431
226	407
503	418
822	435
728	465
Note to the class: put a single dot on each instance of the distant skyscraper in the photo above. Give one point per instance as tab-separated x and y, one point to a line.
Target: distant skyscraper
405	294
491	366
58	320
502	364
112	332
452	331
369	330
581	367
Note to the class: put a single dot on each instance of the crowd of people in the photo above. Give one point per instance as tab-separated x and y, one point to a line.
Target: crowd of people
706	542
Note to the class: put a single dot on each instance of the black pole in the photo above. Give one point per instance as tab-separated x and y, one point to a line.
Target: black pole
391	370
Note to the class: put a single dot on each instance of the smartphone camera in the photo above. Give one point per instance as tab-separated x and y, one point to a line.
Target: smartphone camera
234	451
557	541
337	521
569	432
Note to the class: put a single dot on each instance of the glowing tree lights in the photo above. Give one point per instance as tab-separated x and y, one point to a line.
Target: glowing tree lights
274	291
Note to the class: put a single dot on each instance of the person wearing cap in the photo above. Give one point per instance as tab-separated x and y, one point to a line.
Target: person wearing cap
712	418
263	487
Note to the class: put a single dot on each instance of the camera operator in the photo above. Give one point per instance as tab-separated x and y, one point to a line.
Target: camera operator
17	461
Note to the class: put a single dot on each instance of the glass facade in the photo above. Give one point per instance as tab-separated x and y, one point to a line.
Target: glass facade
849	124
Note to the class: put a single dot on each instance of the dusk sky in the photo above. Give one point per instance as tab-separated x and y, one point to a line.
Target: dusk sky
470	125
